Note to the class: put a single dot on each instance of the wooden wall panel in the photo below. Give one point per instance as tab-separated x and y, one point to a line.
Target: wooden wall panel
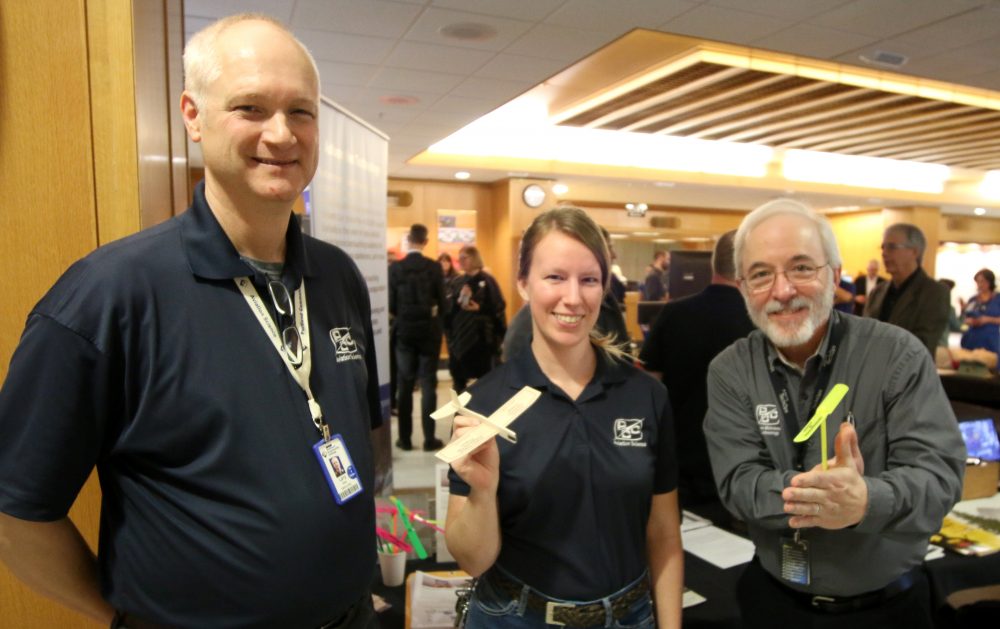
48	218
48	214
153	111
969	229
180	182
69	172
116	157
859	237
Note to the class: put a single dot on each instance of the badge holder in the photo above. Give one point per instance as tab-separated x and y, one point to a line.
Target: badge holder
341	475
795	559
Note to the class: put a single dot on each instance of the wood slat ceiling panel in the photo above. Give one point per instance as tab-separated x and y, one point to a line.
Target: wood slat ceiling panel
751	113
717	102
819	104
713	95
941	135
666	84
840	128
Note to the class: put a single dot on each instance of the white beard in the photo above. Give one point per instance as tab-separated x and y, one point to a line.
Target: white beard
819	312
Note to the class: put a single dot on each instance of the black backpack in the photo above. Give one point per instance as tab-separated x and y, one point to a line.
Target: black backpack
415	316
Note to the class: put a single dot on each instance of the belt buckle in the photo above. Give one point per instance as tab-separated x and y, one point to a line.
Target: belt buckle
818	601
550	612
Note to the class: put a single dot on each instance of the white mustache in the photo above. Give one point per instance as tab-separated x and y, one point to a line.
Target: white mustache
796	303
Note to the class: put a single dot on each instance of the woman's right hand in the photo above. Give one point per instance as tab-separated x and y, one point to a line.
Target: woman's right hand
480	469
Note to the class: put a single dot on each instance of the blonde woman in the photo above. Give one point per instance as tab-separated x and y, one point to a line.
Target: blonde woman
578	522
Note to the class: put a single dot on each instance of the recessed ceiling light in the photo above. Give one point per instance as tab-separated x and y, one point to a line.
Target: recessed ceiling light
884	58
560	188
979	211
463	174
468	31
398	100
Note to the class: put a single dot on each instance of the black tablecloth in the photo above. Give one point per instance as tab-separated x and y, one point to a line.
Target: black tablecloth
947	575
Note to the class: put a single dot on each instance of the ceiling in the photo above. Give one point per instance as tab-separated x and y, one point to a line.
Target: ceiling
399	65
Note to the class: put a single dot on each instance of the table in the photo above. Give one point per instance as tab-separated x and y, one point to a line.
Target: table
948	576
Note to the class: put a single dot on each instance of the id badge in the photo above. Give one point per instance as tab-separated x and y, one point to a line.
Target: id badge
341	475
795	560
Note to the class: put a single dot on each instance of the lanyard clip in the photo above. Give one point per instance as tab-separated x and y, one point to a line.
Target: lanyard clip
317	417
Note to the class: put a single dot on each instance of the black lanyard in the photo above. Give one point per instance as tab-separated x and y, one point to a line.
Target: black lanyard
789	414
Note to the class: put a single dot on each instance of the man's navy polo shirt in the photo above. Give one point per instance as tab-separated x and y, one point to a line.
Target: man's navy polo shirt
575	491
146	360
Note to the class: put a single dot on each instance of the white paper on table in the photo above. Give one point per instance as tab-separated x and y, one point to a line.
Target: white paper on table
983	507
719	548
933	552
691	598
441	494
691	521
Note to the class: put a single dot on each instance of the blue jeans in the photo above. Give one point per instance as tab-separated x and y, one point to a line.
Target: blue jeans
414	362
491	608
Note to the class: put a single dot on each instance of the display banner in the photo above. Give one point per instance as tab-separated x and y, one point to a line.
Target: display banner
347	207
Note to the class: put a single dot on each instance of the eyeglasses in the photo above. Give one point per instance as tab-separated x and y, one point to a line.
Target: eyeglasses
290	338
762	280
895	246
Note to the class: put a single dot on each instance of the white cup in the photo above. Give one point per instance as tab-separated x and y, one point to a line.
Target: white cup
393	567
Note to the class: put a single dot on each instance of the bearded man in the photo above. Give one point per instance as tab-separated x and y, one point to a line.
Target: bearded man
839	544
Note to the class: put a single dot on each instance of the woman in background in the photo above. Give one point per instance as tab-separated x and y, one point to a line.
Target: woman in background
982	315
452	278
577	523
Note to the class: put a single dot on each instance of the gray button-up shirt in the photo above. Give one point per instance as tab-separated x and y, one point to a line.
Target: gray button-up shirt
913	452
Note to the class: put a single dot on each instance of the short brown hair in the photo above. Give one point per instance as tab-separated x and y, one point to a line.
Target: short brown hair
723	256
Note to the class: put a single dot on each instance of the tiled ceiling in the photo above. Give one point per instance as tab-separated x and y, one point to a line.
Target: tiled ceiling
370	51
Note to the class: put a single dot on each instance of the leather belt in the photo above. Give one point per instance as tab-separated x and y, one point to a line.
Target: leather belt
571	614
858	602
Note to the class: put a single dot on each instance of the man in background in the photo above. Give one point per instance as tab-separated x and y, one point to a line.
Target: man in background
864	286
416	303
656	286
686	336
213	394
912	300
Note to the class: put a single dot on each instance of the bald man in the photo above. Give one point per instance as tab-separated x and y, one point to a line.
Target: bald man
219	372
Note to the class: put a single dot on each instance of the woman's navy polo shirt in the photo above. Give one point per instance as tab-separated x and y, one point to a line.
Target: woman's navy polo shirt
575	491
146	360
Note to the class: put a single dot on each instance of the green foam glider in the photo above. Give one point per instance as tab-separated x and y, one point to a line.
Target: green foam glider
818	419
826	407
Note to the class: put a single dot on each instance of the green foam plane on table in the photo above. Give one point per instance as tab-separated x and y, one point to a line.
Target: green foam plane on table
818	420
411	534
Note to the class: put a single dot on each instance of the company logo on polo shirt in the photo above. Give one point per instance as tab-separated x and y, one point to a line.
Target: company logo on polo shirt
628	432
347	349
768	420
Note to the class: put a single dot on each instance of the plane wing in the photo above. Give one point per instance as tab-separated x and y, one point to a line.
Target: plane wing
495	424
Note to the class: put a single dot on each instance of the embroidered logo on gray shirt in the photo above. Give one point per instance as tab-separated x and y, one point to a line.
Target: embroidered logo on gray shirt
768	420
